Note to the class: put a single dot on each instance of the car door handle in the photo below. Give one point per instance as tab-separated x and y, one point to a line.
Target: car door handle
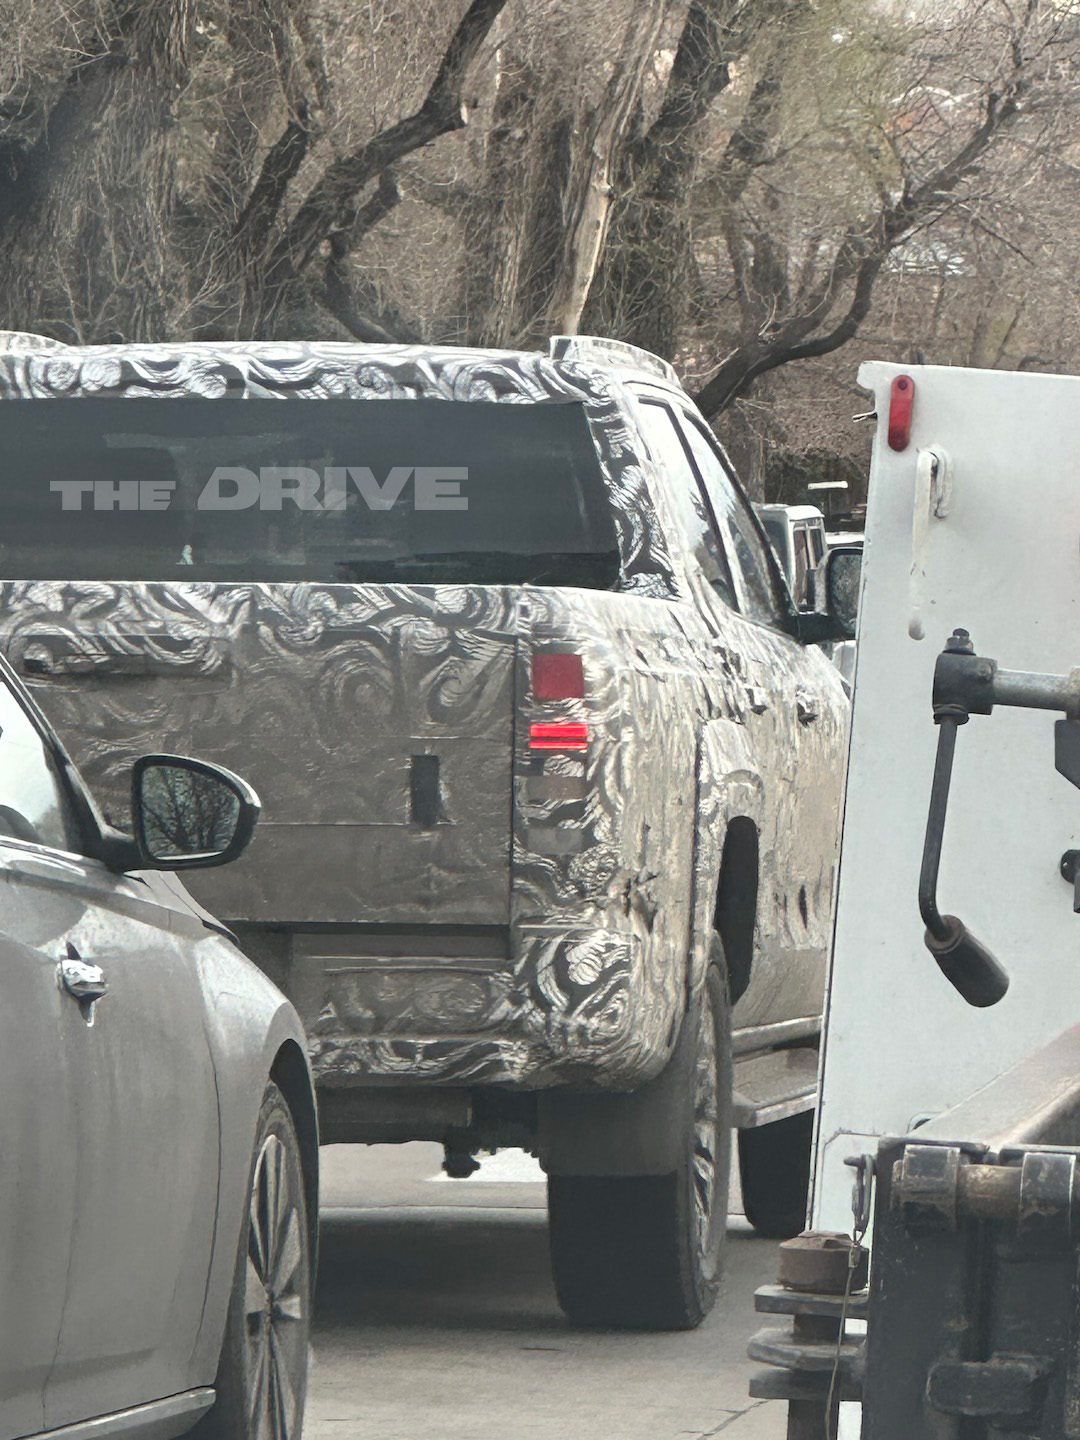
86	984
83	981
807	706
757	699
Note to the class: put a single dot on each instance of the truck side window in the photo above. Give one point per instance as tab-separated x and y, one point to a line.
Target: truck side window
33	806
803	566
682	486
733	516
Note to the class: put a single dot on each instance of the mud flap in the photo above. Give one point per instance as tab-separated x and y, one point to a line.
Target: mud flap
605	1133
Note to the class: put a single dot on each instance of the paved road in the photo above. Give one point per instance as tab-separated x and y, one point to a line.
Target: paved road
436	1318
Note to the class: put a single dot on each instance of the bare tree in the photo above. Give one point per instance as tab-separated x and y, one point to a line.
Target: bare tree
736	184
922	155
138	194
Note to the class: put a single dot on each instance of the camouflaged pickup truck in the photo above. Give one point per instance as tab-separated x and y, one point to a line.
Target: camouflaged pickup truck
550	763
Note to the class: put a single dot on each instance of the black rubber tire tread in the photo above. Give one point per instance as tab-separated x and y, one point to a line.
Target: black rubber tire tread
774	1172
623	1250
227	1419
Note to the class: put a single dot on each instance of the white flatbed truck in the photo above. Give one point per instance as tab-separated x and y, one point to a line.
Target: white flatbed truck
973	522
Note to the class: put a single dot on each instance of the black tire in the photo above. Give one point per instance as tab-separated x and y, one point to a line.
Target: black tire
774	1171
645	1252
262	1375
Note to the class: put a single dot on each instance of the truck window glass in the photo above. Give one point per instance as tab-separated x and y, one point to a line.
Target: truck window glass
803	566
33	806
410	490
733	516
686	498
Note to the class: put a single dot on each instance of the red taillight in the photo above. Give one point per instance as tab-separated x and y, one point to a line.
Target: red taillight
557	677
901	398
563	735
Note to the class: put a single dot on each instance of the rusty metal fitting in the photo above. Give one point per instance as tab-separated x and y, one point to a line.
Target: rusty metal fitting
925	1187
817	1364
819	1261
937	1188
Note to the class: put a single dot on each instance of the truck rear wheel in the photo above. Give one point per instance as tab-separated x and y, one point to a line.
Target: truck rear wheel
644	1252
774	1172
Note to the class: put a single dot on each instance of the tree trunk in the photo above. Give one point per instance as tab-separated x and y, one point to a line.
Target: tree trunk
597	154
644	289
513	221
85	235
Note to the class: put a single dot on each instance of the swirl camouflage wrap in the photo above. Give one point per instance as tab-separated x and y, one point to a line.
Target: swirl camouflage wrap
445	901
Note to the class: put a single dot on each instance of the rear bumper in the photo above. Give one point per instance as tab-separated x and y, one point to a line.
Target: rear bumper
540	1008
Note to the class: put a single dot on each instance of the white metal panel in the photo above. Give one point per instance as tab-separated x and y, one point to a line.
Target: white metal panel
1004	564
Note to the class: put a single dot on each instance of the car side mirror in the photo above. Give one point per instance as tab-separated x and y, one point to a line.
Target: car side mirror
842	583
188	814
837	582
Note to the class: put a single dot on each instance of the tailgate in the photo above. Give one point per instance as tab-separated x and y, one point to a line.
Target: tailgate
375	721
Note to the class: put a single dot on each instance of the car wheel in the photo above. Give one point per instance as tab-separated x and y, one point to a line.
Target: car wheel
262	1376
645	1251
774	1172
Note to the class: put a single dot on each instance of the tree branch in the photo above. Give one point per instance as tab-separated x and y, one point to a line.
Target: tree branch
859	259
454	197
365	315
748	145
71	118
356	224
441	112
288	153
701	69
338	296
756	357
283	161
355	302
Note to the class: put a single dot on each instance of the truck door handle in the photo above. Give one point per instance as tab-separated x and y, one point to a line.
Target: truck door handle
933	487
807	706
86	984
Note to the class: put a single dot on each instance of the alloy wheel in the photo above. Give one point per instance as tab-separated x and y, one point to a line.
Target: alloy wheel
275	1297
706	1134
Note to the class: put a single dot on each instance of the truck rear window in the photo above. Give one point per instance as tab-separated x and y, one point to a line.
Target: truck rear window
418	491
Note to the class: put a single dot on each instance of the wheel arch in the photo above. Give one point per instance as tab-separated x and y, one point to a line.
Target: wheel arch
735	911
290	1074
730	804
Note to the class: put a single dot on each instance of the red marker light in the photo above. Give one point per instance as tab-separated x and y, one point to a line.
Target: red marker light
563	735
557	677
901	399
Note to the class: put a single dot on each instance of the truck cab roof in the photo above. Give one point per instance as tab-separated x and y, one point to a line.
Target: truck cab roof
593	351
